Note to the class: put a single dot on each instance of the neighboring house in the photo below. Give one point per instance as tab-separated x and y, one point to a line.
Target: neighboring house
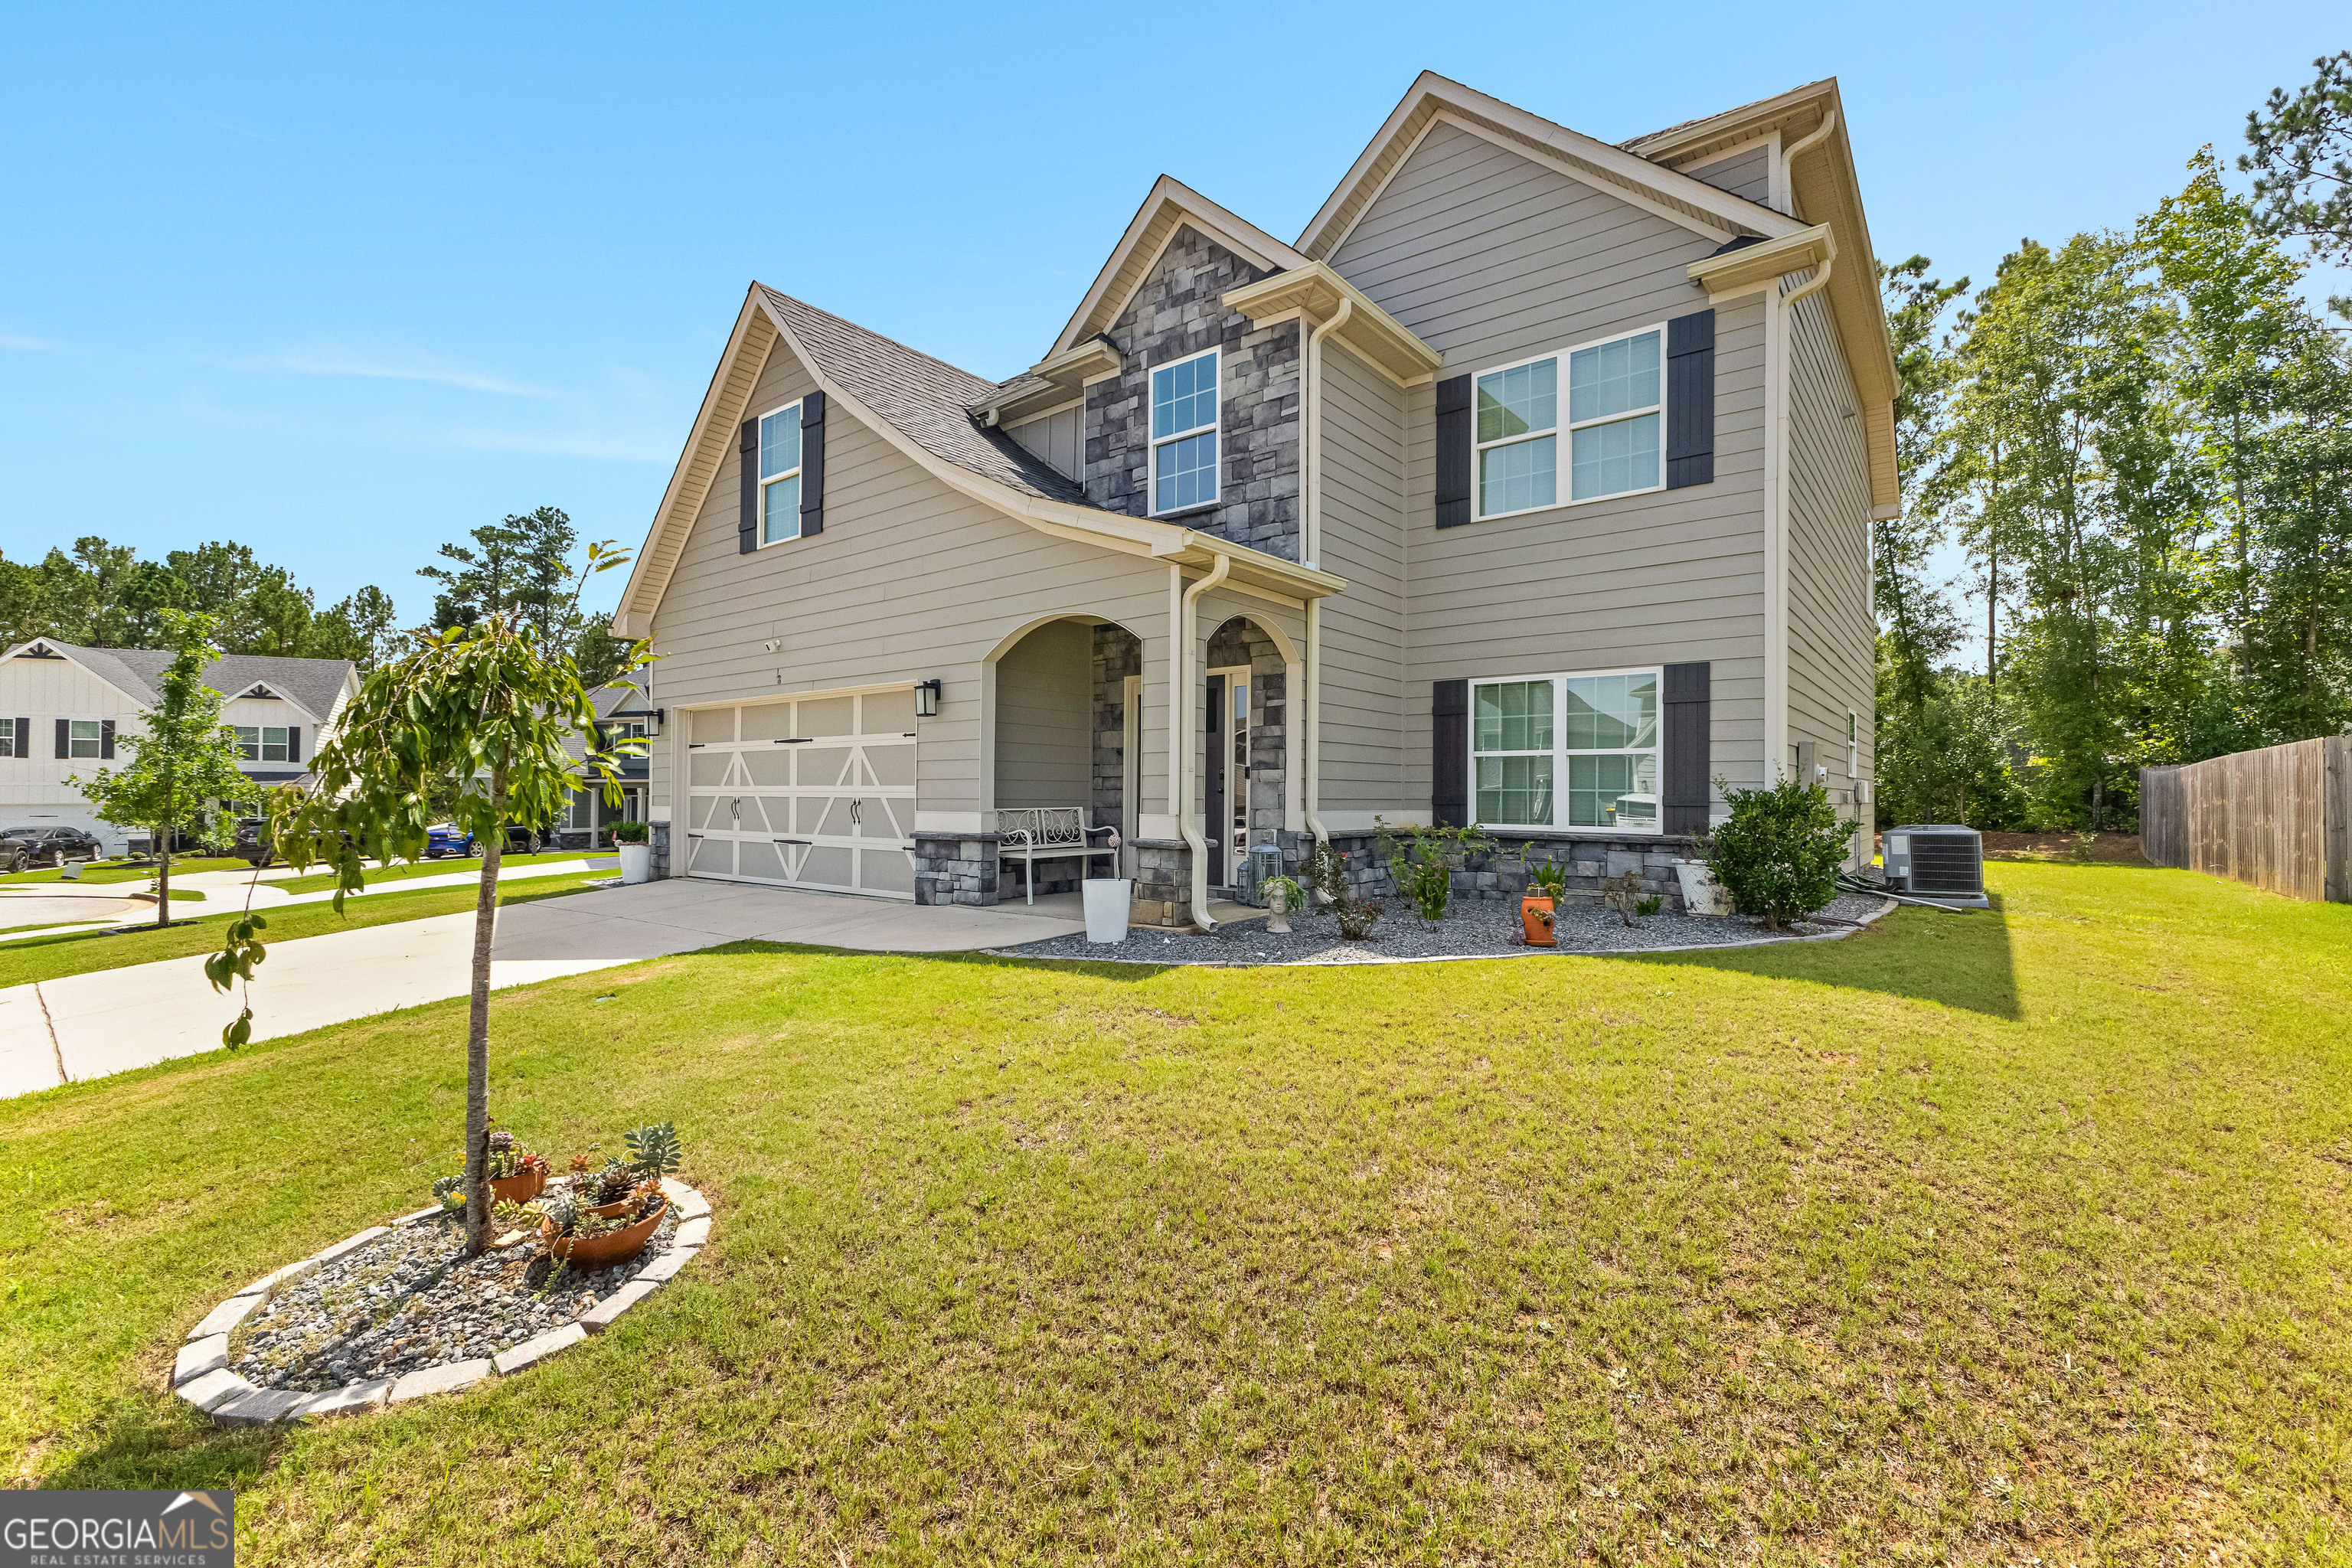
1531	486
587	820
63	708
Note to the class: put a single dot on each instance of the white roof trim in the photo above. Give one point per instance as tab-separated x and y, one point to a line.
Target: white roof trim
1238	235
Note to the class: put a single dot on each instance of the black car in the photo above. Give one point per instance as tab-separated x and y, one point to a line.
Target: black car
50	845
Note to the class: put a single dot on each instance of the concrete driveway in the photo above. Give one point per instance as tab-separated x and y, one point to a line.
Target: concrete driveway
86	1025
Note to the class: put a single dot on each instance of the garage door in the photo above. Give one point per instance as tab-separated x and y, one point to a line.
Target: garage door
818	792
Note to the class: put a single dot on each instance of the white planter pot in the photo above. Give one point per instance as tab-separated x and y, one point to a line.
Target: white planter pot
1107	899
1702	894
637	863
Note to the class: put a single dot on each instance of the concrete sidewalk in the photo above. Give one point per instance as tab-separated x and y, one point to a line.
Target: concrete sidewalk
86	1025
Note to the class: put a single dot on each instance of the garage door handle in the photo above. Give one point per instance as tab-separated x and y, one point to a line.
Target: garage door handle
796	741
856	820
792	840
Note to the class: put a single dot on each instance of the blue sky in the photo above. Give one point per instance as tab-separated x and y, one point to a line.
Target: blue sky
341	284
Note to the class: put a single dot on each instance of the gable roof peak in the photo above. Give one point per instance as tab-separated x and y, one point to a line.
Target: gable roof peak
1169	205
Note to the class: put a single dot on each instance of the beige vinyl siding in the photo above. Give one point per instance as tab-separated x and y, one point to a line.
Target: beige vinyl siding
1831	631
909	580
1492	258
1363	540
1746	174
1044	721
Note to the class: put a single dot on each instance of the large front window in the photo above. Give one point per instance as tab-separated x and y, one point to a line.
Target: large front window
1613	426
261	744
1567	751
780	475
1184	434
86	739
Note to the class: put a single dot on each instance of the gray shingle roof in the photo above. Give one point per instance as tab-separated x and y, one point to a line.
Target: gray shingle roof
311	684
928	401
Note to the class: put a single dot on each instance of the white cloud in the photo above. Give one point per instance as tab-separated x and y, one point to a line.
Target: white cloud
20	341
333	363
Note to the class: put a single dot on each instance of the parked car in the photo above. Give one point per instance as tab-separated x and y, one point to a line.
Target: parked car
443	838
53	845
252	843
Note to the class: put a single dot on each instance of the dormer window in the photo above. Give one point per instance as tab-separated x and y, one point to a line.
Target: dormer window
261	743
780	475
1185	435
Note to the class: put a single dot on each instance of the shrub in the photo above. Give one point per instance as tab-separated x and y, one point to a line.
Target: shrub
1779	855
628	833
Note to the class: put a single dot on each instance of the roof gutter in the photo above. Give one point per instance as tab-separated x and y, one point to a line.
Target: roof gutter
1182	740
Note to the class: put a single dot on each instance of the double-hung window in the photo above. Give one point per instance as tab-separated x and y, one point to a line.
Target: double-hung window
1615	428
1184	434
261	743
780	475
87	737
11	743
1567	751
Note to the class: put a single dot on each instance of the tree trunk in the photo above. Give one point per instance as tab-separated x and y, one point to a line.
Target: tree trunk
162	877
477	1029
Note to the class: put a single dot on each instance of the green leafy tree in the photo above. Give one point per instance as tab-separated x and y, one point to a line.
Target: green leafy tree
2302	164
522	567
1778	853
183	758
483	713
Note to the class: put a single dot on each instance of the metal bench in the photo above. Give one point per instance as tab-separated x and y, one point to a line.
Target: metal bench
1032	833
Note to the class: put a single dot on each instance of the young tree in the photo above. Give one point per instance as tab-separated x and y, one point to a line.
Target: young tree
184	762
485	710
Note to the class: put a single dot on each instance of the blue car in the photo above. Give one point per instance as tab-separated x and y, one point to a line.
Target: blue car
443	839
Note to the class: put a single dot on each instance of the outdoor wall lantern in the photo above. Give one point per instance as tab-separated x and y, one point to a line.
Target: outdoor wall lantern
927	698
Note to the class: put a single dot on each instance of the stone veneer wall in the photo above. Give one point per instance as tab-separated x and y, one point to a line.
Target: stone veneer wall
1498	873
955	869
1245	642
658	834
1117	654
1163	883
1179	312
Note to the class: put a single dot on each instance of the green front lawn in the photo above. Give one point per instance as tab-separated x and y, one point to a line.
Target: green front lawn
319	881
104	871
1974	1238
53	958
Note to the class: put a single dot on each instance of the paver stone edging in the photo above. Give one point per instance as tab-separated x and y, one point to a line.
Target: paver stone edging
200	1373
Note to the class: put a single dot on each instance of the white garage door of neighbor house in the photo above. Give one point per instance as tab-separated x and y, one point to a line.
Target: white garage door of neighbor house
818	792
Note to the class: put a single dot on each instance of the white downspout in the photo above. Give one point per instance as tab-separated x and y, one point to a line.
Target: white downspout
1182	740
1310	542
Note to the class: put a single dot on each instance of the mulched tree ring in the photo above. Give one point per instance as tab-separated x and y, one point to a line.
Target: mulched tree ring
398	1311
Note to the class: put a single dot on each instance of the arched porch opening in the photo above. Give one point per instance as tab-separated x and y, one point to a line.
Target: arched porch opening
1067	732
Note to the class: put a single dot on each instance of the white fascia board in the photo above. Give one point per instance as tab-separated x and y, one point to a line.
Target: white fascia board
1236	234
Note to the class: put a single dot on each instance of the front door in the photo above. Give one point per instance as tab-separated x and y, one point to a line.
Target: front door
814	792
1227	784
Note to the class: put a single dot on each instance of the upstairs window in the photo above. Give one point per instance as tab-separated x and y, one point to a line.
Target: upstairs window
1184	434
1615	416
88	738
780	475
261	744
1615	419
10	742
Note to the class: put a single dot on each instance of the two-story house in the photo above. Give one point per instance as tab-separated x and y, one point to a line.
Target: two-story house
1531	486
63	708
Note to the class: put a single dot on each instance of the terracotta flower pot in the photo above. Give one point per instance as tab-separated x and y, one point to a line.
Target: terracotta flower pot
597	1251
1535	919
517	1189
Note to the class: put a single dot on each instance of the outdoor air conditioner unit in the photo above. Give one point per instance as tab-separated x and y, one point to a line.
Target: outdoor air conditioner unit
1938	861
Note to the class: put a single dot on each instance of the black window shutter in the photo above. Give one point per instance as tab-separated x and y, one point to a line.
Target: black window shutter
1690	400
1454	453
1449	754
812	463
747	516
24	737
1689	763
106	738
293	742
65	737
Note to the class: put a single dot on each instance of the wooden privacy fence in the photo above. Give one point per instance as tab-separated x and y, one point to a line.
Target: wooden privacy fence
2280	818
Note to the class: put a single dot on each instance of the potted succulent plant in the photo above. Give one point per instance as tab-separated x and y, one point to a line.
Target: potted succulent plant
1539	905
605	1214
516	1174
637	853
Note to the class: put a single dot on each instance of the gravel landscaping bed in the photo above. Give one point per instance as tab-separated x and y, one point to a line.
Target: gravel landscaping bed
412	1299
1486	928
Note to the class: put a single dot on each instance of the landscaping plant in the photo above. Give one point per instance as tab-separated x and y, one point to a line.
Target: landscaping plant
1326	867
1779	855
478	714
1423	860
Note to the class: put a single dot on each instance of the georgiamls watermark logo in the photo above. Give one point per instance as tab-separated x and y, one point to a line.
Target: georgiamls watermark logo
118	1530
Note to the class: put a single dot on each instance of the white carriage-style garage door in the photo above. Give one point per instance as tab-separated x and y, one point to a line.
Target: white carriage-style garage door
815	791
